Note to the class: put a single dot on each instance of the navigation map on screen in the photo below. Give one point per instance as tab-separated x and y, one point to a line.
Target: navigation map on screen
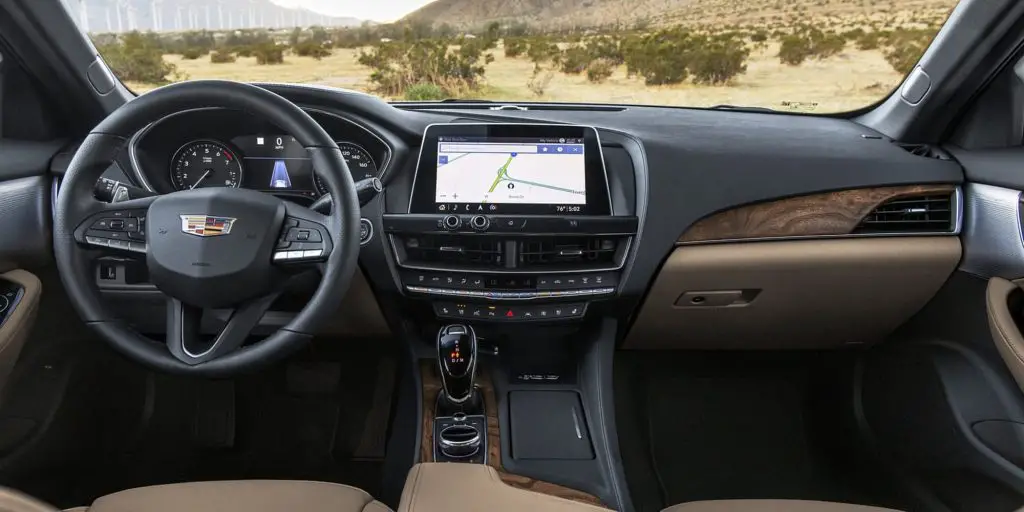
490	172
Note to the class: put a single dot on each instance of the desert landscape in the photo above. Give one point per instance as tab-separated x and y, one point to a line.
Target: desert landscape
822	57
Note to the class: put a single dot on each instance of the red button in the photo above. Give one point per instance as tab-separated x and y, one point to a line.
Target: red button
509	314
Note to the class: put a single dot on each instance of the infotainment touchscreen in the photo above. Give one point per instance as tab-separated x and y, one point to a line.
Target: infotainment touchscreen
511	169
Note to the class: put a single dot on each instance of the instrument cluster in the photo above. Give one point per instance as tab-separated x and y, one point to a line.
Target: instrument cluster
226	148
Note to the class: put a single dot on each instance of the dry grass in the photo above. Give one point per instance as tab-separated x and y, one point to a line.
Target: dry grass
845	82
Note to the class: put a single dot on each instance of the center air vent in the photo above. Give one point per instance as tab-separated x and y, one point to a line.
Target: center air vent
513	254
567	251
915	214
454	251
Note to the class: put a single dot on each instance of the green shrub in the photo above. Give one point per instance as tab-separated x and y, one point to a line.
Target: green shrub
137	58
574	60
718	61
244	51
869	41
542	50
268	53
760	36
222	57
599	70
424	92
515	46
606	47
661	57
456	66
809	42
906	46
311	49
193	53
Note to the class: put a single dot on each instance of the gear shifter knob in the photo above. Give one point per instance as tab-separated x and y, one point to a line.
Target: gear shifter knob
456	355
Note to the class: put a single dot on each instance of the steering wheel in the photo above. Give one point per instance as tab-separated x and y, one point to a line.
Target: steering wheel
211	247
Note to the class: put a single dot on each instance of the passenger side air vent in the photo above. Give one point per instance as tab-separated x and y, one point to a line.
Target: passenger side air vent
567	250
454	251
925	150
914	214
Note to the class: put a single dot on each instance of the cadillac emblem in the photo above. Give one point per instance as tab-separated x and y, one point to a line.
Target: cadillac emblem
206	225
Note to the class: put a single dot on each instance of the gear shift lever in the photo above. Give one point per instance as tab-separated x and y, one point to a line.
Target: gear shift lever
456	355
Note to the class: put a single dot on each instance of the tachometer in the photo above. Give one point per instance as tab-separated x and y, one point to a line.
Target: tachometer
205	163
359	161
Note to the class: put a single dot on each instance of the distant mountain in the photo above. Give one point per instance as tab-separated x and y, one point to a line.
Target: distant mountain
590	13
177	15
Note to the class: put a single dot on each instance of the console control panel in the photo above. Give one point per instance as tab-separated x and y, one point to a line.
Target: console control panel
511	287
510	313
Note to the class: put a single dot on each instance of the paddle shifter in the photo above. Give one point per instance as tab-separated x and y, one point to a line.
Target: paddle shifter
460	426
456	354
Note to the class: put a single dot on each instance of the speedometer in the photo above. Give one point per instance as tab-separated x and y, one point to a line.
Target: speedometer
205	163
359	161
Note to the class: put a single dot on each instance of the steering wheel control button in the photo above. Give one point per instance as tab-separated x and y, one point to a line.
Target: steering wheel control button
365	231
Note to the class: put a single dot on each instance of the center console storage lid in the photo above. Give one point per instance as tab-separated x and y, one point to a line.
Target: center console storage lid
548	425
446	487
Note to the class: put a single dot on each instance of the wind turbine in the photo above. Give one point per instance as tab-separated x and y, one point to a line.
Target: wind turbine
83	16
220	14
117	10
177	20
208	25
106	14
131	15
252	13
155	12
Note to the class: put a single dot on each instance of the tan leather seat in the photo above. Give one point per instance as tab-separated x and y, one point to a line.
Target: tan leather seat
771	506
240	496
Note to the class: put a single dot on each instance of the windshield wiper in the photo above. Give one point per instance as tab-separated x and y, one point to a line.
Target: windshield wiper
742	109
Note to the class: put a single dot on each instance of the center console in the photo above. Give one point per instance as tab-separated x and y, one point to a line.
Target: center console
511	249
510	224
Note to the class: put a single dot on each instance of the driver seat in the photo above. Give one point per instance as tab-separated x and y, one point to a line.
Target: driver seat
239	496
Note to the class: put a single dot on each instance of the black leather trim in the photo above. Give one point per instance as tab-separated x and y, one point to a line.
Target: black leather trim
25	221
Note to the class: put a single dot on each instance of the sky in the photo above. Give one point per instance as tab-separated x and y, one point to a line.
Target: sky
375	10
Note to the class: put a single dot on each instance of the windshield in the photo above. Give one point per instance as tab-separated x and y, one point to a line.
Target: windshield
817	56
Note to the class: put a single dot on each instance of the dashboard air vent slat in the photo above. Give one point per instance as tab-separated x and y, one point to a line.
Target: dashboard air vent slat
915	214
572	251
453	250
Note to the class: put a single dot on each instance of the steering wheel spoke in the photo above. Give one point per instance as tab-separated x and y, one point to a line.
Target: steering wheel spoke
305	239
186	342
116	228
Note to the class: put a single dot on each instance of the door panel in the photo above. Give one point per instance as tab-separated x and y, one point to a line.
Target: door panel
1003	302
20	293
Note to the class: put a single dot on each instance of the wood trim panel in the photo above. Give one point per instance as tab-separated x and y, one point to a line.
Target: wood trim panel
825	214
431	389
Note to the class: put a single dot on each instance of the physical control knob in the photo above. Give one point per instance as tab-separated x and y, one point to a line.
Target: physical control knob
480	223
452	222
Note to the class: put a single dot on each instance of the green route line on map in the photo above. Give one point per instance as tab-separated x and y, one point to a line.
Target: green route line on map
501	173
